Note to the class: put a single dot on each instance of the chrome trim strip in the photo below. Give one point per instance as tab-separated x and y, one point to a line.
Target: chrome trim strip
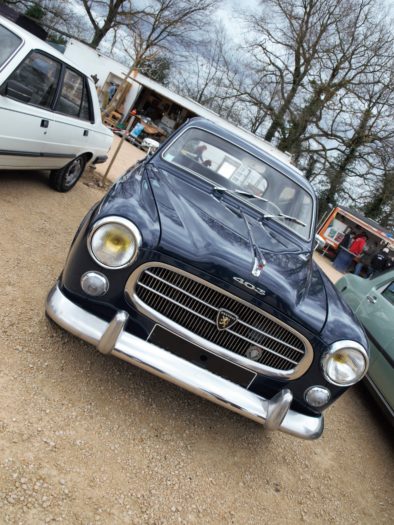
262	346
217	310
162	363
259	368
212	322
34	154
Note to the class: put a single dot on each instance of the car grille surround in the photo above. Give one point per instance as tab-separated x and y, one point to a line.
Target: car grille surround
191	307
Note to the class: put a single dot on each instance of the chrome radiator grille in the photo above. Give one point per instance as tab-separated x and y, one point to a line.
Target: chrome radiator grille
194	305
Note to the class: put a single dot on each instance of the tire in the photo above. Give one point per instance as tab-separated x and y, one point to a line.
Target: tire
64	179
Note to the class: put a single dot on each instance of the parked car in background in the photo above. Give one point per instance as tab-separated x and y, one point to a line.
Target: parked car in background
197	266
49	112
372	300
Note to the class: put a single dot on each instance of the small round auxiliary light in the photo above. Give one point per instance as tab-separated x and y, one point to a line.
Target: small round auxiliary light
94	284
317	396
254	352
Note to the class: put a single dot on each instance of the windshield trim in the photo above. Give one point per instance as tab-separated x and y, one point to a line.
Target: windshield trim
21	44
244	200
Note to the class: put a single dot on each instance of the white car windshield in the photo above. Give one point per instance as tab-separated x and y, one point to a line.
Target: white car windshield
9	42
229	166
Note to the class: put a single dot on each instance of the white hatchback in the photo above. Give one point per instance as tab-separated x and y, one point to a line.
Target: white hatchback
49	111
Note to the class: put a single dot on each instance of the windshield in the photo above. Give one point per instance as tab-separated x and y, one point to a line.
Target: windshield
9	42
229	166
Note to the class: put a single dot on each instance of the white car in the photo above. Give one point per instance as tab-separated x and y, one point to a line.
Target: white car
49	111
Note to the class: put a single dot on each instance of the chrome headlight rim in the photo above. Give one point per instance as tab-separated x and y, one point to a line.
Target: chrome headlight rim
342	345
126	223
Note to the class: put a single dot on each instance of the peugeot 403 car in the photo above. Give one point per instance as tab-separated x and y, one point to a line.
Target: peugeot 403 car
197	267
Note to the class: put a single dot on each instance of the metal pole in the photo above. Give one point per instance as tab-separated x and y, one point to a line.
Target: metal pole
126	132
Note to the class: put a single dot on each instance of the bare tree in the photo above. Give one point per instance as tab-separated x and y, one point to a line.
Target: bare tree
198	75
287	37
365	128
108	15
165	26
305	54
380	204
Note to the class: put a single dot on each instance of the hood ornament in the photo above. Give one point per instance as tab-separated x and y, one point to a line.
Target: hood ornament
258	266
225	319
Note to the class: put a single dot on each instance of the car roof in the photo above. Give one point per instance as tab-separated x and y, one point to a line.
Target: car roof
254	148
34	42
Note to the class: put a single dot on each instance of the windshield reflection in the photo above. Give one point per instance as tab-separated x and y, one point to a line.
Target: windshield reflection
227	165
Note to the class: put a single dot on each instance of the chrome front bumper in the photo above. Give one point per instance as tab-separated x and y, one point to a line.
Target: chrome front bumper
111	338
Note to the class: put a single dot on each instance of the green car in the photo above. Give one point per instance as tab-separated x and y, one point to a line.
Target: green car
372	300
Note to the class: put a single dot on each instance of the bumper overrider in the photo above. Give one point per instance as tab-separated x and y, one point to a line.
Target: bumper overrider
111	338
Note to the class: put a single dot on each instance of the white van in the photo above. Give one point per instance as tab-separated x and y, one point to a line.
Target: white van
49	111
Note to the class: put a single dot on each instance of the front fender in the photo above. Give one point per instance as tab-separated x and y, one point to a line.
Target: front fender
353	289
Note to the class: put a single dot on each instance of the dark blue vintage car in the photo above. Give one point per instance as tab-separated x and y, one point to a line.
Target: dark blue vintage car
197	266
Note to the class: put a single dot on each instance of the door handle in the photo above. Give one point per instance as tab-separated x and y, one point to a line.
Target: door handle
372	299
86	133
44	123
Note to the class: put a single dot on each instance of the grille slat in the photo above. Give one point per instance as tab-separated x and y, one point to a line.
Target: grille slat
194	305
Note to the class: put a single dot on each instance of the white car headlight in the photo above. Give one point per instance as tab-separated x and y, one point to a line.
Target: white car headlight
114	242
345	363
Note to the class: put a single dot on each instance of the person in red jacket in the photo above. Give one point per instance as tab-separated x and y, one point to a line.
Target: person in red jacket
358	244
345	256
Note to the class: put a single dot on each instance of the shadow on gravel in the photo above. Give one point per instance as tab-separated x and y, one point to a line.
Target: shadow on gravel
24	176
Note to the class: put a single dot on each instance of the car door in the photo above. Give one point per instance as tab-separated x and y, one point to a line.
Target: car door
25	112
73	124
376	312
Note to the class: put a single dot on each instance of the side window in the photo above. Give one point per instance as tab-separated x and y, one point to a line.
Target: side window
388	293
86	110
70	99
9	43
40	74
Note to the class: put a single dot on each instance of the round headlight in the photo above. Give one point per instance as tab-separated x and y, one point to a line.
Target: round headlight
345	363
114	242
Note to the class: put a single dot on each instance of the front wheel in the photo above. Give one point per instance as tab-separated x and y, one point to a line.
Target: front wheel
66	178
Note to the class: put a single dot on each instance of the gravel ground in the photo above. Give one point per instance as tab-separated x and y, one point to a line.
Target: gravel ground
89	439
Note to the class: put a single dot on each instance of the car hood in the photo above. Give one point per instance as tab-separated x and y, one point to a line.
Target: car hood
202	231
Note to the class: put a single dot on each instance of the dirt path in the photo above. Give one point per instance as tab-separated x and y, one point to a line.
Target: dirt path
88	439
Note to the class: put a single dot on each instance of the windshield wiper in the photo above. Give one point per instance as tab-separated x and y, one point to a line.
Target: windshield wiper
241	193
259	260
248	195
283	216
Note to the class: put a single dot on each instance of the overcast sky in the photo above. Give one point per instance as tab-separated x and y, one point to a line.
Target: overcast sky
229	13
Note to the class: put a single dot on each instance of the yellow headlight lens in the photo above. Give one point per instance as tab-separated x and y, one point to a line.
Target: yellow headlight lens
115	241
114	244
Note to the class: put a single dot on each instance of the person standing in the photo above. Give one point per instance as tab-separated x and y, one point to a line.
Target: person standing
365	259
347	239
357	246
380	261
345	257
